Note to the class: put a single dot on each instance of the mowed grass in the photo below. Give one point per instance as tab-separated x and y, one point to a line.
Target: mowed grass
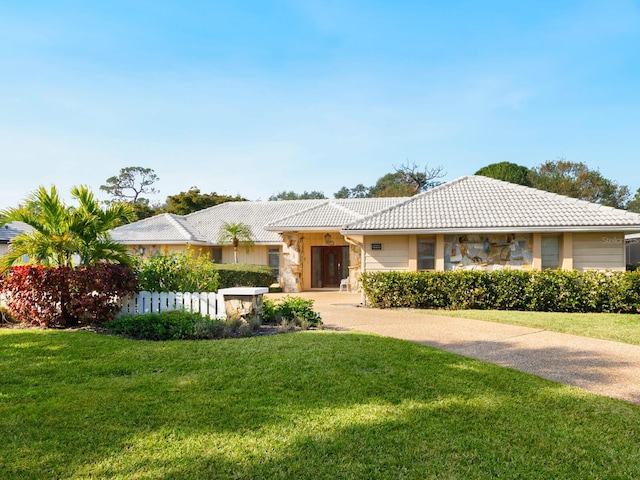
311	405
609	326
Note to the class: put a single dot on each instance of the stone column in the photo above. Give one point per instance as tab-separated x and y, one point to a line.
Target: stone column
291	268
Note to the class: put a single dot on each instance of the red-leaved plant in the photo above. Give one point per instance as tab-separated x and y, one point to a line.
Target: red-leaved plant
64	296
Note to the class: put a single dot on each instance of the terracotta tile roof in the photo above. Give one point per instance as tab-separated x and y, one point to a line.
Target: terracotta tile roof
479	203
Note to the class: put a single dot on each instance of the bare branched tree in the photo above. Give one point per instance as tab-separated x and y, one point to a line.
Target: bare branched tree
419	179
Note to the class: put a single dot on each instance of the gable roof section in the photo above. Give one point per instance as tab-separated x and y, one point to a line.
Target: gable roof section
476	203
165	228
254	214
11	230
332	214
265	219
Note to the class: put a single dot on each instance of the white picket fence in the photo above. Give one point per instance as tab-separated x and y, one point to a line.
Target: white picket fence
205	303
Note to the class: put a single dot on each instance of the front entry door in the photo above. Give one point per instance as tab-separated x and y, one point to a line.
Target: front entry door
329	265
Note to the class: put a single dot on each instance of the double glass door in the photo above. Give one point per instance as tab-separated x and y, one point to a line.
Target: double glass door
329	265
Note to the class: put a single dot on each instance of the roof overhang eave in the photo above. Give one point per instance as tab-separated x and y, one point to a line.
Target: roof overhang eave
163	242
332	228
626	229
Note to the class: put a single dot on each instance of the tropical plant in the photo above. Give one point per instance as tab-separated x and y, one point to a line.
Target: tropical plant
60	232
237	234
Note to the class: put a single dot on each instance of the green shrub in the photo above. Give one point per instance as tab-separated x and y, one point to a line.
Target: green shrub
179	325
243	275
177	272
291	311
549	290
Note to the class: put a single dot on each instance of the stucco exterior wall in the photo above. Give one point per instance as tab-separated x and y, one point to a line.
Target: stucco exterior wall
257	255
394	254
4	248
598	251
581	251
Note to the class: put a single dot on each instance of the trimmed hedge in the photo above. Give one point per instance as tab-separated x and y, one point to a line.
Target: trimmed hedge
243	275
544	291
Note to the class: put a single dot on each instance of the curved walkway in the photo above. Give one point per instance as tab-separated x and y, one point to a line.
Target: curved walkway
600	366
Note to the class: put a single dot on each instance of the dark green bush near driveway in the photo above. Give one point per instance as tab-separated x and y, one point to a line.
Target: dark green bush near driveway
178	325
543	291
293	311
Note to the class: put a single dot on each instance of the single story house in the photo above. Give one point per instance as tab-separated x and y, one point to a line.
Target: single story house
471	223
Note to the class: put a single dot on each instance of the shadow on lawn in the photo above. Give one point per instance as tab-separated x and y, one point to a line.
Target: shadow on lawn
311	405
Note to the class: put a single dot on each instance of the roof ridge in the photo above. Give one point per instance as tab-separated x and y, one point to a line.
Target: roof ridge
407	200
559	196
346	209
173	218
254	202
304	210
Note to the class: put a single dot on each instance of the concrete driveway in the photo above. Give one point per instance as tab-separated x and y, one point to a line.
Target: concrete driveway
599	366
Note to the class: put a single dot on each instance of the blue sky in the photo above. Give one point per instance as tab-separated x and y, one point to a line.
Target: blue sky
255	97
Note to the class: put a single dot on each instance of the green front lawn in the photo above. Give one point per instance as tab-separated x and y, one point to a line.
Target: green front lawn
609	326
306	405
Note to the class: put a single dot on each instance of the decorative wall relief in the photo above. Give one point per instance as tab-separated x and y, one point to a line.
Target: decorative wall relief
488	252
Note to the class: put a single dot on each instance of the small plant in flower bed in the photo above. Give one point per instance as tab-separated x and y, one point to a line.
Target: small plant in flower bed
179	325
291	312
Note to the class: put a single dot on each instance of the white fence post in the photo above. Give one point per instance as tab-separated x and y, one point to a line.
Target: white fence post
205	303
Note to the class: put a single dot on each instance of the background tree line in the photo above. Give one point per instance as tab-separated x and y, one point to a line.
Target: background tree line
574	179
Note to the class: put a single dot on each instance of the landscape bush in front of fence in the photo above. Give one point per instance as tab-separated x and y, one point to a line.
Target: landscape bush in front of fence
548	290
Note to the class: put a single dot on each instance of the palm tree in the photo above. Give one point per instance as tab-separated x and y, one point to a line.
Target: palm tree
236	234
60	232
91	227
